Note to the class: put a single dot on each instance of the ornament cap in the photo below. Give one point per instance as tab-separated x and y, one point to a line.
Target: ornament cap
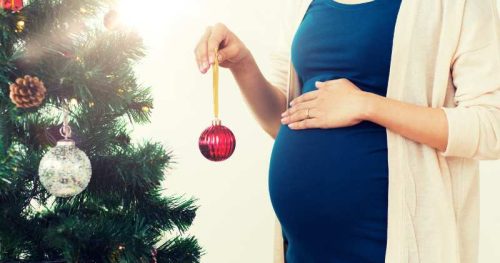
216	122
67	142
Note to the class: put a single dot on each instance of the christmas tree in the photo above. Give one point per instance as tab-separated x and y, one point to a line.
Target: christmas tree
54	56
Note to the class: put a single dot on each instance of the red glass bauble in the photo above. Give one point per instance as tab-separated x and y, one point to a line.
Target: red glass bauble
12	5
111	19
217	142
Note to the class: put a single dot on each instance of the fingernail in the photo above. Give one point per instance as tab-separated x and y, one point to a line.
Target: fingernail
219	57
205	65
211	59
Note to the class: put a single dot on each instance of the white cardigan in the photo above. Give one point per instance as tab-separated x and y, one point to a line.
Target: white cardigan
446	54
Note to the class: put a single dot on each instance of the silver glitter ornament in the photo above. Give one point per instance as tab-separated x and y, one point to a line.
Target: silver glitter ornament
65	170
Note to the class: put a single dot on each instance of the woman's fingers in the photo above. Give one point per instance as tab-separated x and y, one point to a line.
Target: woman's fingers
201	51
219	34
305	124
230	51
299	114
299	106
305	97
213	37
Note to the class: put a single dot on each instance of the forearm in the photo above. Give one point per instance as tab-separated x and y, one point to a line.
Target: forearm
266	102
422	124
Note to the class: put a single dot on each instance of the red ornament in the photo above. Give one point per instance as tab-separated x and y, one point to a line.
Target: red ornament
217	142
12	5
111	19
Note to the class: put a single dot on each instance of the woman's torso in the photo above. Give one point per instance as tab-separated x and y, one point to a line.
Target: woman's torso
329	186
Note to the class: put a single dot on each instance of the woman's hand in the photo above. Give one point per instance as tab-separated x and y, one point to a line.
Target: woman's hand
231	51
336	103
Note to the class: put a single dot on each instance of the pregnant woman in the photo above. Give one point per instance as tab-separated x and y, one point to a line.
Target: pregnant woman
336	180
380	110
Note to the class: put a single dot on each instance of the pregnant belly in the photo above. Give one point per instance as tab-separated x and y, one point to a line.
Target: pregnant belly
330	179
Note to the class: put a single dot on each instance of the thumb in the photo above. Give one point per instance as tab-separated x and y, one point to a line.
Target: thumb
221	56
320	85
227	53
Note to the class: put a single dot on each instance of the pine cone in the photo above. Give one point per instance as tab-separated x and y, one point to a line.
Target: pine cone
27	92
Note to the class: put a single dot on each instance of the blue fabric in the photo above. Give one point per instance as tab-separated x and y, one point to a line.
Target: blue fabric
329	187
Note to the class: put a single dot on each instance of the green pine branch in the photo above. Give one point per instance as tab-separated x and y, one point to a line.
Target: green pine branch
123	213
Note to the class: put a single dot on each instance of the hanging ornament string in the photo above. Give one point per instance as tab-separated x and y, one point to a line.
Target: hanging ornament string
217	142
215	71
65	128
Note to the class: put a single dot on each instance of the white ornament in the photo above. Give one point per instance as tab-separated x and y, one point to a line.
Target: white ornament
65	170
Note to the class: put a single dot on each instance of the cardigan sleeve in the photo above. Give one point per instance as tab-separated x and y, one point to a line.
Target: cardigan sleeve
474	124
279	57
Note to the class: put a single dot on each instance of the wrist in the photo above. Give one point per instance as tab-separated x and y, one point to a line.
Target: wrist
369	105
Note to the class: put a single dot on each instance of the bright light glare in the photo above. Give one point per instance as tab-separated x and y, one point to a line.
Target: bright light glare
148	16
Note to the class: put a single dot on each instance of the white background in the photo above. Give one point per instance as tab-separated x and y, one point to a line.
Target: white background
235	220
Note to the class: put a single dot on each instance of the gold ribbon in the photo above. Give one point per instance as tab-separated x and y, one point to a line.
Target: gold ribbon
215	71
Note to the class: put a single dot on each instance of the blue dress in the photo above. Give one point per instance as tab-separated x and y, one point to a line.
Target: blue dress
329	187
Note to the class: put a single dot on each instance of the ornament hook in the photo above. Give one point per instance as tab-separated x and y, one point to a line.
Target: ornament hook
65	130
